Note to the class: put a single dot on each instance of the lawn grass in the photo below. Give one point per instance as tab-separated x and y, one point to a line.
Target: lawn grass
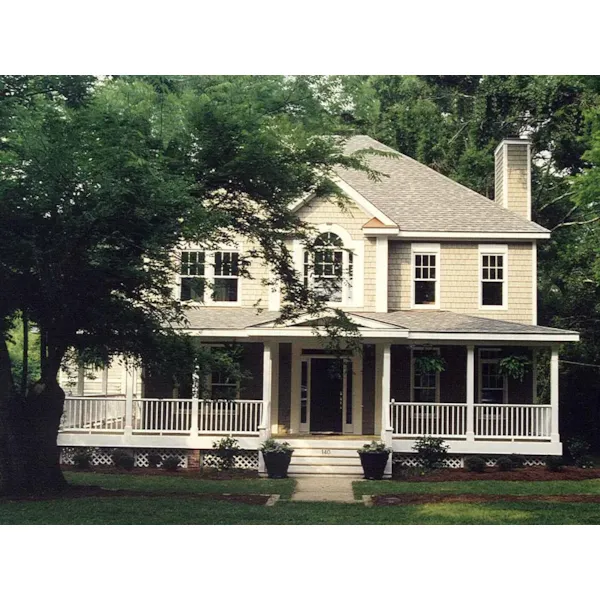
157	483
517	488
165	511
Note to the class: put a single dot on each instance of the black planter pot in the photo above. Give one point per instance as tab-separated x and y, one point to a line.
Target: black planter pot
277	464
373	464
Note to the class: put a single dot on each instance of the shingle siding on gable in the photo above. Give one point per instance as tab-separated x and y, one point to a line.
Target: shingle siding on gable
460	280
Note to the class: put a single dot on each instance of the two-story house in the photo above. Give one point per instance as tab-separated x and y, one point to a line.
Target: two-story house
425	268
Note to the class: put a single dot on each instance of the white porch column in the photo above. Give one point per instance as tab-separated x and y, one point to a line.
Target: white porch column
130	374
381	274
264	430
80	380
470	432
386	429
554	434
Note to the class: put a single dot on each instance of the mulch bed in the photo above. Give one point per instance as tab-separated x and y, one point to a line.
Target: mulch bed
401	499
205	473
524	474
94	491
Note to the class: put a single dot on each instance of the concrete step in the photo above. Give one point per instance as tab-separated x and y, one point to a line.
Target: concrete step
325	452
303	443
325	460
324	470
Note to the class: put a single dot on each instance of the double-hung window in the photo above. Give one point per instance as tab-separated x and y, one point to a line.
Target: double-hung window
425	273
492	385
424	385
209	277
329	269
492	260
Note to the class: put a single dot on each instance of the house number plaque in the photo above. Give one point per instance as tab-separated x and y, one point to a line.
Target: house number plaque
325	451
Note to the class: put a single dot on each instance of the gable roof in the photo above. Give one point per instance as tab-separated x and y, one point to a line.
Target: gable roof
419	199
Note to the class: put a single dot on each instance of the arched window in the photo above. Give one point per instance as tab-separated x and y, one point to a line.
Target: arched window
329	268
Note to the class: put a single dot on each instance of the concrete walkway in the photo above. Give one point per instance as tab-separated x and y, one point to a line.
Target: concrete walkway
324	489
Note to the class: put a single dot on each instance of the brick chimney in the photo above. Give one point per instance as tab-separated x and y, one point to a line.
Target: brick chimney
513	176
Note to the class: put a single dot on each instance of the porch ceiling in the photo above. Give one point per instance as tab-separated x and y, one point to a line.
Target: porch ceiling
407	324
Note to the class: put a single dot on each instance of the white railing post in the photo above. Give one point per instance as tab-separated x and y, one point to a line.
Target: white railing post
386	428
554	434
128	431
264	430
470	433
194	425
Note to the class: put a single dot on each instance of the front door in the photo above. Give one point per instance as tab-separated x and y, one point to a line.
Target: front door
326	395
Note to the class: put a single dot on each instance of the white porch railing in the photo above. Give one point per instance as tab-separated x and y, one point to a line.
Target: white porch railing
499	421
513	421
415	419
160	416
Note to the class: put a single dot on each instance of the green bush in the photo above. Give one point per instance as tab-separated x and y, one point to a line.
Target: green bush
475	464
518	461
505	463
554	463
578	449
584	462
123	459
171	463
431	452
154	459
226	450
82	459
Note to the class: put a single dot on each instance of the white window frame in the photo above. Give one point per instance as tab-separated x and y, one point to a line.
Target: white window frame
352	292
209	276
493	250
209	382
481	361
425	249
412	374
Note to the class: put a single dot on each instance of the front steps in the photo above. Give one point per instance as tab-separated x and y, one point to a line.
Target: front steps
325	456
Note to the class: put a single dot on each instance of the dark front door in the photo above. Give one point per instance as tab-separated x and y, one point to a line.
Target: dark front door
326	384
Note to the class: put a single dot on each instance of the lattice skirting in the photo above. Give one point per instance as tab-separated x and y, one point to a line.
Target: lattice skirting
246	459
458	462
101	457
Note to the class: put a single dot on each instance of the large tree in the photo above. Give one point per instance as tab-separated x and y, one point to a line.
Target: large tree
97	190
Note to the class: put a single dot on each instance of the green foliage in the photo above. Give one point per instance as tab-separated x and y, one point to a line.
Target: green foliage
171	464
272	446
376	447
577	447
123	459
554	463
475	464
15	341
82	459
430	364
518	461
431	452
505	463
154	460
514	366
226	449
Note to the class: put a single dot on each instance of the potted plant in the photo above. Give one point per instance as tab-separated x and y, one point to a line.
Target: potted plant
277	456
373	458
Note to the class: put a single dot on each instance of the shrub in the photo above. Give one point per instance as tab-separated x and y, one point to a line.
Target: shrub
82	459
374	447
554	463
171	463
475	464
273	446
518	461
431	452
505	463
154	459
584	462
578	448
123	459
226	449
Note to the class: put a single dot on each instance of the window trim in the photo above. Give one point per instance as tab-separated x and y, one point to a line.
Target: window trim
412	374
493	250
209	275
480	362
425	249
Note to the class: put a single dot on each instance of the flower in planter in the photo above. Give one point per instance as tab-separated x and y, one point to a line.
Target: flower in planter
374	447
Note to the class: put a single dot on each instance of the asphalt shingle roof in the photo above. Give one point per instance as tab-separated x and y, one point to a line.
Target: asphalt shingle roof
418	198
421	321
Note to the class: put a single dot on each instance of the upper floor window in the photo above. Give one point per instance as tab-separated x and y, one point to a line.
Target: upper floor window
493	277
330	268
425	260
209	276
